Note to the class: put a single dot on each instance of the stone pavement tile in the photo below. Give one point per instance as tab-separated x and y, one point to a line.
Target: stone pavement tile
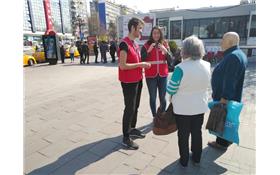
179	170
94	137
229	166
171	138
77	136
75	127
58	135
105	165
151	170
125	169
28	139
39	135
245	156
171	150
139	160
29	132
65	158
213	167
57	149
34	161
227	155
203	171
105	147
113	129
34	146
161	161
36	125
153	146
247	136
76	164
93	122
85	108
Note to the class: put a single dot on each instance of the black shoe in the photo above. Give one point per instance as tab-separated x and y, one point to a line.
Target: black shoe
129	143
217	146
183	162
195	163
136	133
96	62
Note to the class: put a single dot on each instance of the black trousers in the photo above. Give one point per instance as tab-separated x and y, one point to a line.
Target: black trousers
104	57
189	124
81	57
112	53
132	94
62	59
96	56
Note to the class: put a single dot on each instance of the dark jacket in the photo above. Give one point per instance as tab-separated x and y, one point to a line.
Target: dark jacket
103	47
95	48
85	49
62	52
228	75
113	47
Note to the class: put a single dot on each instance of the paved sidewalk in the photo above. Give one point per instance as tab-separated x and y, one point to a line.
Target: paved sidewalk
73	116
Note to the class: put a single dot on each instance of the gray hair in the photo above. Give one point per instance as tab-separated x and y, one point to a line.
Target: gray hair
193	48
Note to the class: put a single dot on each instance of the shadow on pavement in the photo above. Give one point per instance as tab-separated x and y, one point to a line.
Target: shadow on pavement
207	165
109	64
71	162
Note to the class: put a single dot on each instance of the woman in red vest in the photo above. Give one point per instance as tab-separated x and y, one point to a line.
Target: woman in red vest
155	51
130	76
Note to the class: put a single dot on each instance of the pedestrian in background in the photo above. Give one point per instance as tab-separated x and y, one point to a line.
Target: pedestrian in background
72	51
95	49
228	77
155	51
103	50
62	53
80	49
85	50
113	49
188	87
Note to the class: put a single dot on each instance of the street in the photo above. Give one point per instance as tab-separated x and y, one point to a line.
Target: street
73	125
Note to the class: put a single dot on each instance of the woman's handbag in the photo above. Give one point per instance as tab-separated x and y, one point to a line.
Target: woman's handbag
164	122
217	118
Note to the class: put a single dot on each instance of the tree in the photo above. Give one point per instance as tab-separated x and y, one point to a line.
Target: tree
112	30
93	24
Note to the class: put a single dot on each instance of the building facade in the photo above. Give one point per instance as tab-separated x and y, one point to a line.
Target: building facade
34	24
108	11
78	10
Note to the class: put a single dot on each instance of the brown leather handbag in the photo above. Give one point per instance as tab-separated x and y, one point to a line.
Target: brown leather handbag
164	122
217	118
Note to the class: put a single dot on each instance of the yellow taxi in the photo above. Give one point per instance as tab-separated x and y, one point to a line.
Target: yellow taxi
39	55
28	60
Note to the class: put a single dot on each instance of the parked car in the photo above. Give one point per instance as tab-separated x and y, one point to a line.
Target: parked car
28	60
39	55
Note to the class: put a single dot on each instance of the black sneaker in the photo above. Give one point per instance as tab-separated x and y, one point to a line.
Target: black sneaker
129	143
136	133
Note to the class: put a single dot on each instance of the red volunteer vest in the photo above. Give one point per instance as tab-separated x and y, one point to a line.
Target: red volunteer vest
133	56
156	68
